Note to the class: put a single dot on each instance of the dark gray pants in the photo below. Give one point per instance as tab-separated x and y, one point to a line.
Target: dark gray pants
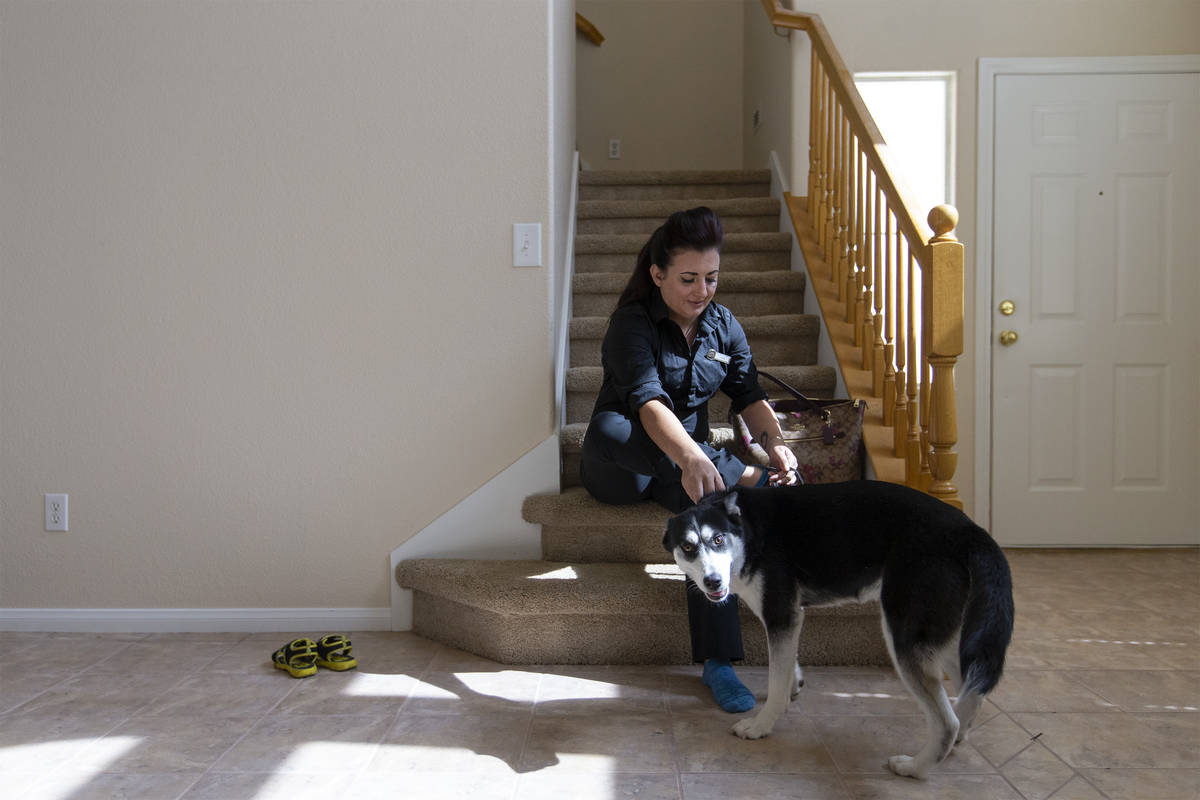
621	465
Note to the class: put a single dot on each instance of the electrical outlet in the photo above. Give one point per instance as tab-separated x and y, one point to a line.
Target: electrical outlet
614	148
56	512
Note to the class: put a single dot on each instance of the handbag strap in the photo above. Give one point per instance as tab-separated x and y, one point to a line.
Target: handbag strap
796	393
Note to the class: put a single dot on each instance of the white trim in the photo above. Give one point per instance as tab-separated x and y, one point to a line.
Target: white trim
779	181
825	352
194	620
563	334
486	524
989	70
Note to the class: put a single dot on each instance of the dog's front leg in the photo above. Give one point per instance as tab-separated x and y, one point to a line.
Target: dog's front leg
783	679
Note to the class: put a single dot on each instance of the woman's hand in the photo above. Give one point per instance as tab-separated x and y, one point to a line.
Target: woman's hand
700	476
761	419
784	461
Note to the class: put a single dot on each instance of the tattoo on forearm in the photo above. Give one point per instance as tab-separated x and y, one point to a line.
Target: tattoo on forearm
764	438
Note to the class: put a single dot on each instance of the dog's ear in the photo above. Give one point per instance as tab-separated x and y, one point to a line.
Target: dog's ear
731	504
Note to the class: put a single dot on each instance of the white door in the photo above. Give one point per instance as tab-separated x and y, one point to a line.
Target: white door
1096	405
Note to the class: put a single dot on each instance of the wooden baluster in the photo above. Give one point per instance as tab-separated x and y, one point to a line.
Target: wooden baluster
877	348
835	256
944	277
916	378
844	264
830	172
889	334
855	317
814	160
926	477
864	327
853	224
816	203
926	378
900	413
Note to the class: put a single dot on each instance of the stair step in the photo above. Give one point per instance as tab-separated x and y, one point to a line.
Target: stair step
773	338
583	385
543	612
571	447
745	261
746	294
612	185
631	243
577	527
738	215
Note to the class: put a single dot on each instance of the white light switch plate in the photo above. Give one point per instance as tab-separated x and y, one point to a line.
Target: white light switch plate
527	244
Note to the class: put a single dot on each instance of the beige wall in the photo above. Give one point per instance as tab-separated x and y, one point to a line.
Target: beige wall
934	35
767	89
667	82
258	316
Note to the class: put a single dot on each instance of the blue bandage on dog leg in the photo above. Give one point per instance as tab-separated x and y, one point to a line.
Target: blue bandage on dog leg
762	481
730	693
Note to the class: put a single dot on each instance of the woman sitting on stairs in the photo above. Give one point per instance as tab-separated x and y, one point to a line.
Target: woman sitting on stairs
668	349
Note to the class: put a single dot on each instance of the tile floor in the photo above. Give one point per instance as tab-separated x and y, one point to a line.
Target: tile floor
1101	699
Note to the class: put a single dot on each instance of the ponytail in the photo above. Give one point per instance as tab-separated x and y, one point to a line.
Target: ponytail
695	229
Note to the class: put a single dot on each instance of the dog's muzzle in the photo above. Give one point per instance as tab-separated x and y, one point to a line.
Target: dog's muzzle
714	588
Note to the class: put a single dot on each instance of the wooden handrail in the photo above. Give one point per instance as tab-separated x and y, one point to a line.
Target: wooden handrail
583	25
890	286
861	122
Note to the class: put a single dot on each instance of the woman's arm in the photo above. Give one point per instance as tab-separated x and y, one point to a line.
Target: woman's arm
700	476
764	427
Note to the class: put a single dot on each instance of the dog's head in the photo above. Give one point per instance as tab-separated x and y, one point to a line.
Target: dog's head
706	542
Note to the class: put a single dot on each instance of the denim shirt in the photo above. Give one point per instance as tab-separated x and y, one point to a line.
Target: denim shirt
646	357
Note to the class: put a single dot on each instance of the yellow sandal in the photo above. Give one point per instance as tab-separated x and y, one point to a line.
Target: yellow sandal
333	652
298	657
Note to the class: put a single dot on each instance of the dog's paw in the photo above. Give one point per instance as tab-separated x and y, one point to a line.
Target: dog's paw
962	737
798	682
906	766
752	727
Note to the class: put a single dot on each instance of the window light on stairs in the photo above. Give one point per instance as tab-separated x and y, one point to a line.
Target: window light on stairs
664	572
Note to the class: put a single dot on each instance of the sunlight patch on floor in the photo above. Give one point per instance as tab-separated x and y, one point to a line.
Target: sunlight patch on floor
76	767
564	574
374	684
665	572
1138	644
326	756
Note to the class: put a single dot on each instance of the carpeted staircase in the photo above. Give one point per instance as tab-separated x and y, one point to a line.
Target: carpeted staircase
605	591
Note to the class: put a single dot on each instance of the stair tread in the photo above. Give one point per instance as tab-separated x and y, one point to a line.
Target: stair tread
662	208
813	377
650	177
591	243
760	325
530	588
571	436
768	281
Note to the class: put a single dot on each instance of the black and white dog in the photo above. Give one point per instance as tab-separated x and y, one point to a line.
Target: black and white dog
941	580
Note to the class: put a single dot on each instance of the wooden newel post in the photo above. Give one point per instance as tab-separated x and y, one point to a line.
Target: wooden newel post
943	291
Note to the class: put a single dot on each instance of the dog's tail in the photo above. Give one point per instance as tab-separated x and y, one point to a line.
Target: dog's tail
988	620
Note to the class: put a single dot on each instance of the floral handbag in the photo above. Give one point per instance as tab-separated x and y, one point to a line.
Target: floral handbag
825	435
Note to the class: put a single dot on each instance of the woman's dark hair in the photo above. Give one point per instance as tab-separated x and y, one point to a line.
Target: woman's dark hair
695	229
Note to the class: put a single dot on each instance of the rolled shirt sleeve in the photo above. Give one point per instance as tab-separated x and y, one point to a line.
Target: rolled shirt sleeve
741	381
631	361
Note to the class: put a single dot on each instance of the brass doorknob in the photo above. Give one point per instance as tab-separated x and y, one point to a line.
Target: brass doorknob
1007	337
1007	308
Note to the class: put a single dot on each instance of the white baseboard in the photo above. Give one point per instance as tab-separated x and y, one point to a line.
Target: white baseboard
825	352
486	524
194	620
